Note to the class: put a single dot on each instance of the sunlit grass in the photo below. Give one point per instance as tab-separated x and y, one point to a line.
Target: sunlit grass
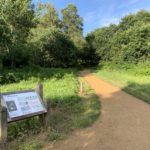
133	79
69	111
56	88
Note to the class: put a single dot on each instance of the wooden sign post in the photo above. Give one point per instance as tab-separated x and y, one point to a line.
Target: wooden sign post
21	105
81	88
44	118
3	124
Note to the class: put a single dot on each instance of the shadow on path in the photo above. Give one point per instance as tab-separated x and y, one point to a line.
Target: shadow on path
123	125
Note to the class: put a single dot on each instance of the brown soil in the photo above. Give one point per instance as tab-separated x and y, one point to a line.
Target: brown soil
123	125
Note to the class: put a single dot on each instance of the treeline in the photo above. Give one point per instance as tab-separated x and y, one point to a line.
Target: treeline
32	35
37	35
128	42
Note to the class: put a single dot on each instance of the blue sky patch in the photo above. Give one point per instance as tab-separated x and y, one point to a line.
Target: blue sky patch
99	13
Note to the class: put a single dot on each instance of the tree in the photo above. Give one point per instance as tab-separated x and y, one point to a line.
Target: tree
53	48
126	42
47	16
137	47
127	22
4	39
17	17
130	42
87	56
72	25
143	16
71	21
102	41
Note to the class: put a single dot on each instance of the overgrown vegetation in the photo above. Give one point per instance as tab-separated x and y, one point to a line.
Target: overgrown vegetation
69	111
127	42
134	79
124	52
35	35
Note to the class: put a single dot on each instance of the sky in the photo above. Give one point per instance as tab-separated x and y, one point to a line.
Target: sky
99	13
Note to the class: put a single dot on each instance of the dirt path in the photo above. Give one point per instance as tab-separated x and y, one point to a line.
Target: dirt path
123	125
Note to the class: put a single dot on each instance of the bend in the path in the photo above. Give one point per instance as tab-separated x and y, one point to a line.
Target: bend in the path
123	125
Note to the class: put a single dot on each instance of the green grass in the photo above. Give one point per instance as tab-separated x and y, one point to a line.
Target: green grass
69	111
59	84
33	146
134	79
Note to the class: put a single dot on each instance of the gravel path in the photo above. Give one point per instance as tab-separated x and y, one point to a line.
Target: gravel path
124	123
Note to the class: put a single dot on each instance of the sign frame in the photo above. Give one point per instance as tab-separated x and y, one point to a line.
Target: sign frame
9	119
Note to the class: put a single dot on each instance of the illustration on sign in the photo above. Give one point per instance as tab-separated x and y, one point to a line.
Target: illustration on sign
11	106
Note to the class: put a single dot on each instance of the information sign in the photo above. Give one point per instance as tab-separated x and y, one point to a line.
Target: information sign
22	104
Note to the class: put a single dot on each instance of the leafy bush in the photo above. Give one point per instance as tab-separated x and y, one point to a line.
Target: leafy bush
127	42
53	48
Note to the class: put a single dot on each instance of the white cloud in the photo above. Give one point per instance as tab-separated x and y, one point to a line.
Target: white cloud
112	13
108	21
100	18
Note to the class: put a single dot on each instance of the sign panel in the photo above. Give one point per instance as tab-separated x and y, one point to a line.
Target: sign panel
22	104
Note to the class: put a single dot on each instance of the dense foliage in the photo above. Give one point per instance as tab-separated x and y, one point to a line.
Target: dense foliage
127	42
16	18
37	36
52	48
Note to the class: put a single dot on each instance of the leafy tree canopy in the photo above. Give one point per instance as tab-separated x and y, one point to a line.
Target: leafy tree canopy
126	42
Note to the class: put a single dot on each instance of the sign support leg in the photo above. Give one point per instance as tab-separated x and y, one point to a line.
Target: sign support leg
44	118
3	125
47	115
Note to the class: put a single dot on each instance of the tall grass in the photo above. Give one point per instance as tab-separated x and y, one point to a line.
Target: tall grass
134	79
60	87
68	110
59	84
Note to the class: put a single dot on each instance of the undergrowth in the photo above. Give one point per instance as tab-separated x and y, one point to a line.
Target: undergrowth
69	111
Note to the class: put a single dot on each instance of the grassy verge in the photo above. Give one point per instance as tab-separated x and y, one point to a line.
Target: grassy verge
134	79
69	111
